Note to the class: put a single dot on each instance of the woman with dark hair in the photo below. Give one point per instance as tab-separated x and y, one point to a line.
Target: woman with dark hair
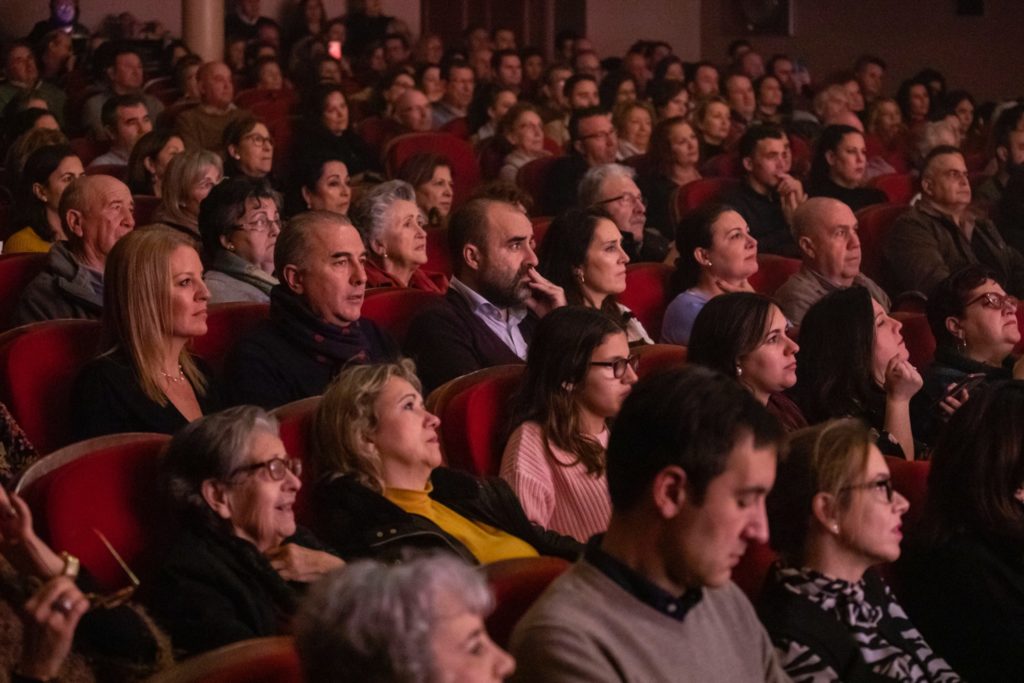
914	98
670	99
746	336
962	578
249	149
853	362
47	172
428	79
837	170
149	159
672	159
616	88
834	517
578	372
239	224
717	254
431	177
669	68
490	103
327	131
768	91
585	258
20	122
320	183
393	82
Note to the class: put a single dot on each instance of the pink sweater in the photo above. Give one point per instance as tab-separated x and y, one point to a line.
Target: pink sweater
560	498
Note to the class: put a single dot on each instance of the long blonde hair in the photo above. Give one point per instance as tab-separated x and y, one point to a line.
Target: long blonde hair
137	310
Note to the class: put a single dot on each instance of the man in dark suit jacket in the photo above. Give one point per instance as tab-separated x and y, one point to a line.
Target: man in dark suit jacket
492	305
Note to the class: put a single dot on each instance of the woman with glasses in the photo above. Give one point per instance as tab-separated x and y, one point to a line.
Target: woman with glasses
396	242
154	304
249	149
746	336
381	488
579	370
582	253
674	155
962	578
189	178
239	564
239	223
834	516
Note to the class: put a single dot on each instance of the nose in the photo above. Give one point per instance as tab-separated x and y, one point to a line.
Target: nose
900	503
432	420
202	291
504	664
854	241
793	346
358	273
757	529
896	324
128	216
530	257
630	377
291	481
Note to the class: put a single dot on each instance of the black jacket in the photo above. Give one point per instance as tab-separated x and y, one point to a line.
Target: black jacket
359	522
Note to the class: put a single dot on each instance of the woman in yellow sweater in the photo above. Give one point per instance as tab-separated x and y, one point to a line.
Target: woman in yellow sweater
47	171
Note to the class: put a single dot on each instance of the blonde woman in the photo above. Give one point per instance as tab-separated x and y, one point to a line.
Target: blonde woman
154	303
188	179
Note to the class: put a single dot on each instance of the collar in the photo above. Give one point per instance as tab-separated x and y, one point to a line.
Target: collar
481	306
638	585
927	206
411	500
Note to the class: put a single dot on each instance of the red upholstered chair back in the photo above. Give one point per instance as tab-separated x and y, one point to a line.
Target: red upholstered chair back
899	187
226	324
752	569
465	170
911	480
655	358
145	206
875	221
772	272
38	365
438	258
725	165
540	228
16	271
296	423
533	177
109	484
473	411
700	192
647	294
490	154
458	127
516	584
280	106
281	130
918	337
118	171
87	149
393	308
252	97
260	660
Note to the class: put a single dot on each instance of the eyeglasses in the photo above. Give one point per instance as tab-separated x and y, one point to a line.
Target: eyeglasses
258	139
998	302
277	468
634	199
606	135
619	365
881	486
261	224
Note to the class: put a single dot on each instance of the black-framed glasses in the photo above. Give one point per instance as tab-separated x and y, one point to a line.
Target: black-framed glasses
277	468
998	302
634	199
881	487
261	224
258	139
604	134
619	365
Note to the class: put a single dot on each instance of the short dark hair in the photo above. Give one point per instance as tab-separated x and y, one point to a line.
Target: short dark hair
500	55
690	417
224	207
572	81
1006	124
397	36
775	59
448	64
735	46
693	67
831	137
949	298
468	224
108	114
754	135
580	115
940	151
867	60
729	327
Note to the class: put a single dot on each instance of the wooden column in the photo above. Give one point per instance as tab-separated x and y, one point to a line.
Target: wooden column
202	28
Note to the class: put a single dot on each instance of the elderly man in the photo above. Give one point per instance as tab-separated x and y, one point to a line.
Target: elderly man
494	300
593	142
125	119
22	73
825	230
315	328
124	77
613	188
412	111
458	93
689	464
202	127
95	212
939	236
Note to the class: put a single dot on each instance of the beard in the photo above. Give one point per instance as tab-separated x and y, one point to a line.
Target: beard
505	292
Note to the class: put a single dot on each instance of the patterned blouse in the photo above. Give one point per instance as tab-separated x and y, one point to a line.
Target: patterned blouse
912	660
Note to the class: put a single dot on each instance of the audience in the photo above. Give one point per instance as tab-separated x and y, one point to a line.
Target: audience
826	231
379	475
47	172
125	120
202	126
431	177
315	328
1008	139
634	121
612	187
593	142
459	82
835	517
320	183
690	461
22	72
327	131
154	303
149	159
717	254
124	76
838	168
188	180
673	159
713	124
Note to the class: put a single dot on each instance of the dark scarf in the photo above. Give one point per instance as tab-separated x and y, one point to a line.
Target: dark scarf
327	343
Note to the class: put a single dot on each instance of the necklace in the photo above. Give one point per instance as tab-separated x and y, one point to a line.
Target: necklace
175	379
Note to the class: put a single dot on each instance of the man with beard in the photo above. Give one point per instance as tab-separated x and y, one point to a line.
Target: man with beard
494	301
1008	135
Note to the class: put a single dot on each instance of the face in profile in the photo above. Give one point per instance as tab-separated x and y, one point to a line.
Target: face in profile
463	652
506	258
771	366
733	251
438	192
871	512
888	342
405	436
188	294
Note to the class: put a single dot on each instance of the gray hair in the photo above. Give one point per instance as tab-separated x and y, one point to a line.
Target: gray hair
590	186
211	447
371	212
373	622
293	244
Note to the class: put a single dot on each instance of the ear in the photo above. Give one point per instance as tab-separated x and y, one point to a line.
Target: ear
954	327
806	245
1002	154
215	493
824	510
1019	494
700	255
74	219
472	256
927	185
233	151
366	442
306	195
748	164
669	491
830	157
39	190
293	277
225	242
578	146
149	165
378	248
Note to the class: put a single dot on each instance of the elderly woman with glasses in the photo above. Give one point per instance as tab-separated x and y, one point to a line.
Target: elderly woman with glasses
392	226
239	223
834	516
238	565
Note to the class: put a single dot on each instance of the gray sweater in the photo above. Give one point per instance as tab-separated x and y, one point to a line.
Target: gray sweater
586	627
64	289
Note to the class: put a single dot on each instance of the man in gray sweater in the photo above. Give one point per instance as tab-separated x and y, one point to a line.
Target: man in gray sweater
690	461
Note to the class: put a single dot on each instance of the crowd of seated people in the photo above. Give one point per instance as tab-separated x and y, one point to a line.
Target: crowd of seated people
786	230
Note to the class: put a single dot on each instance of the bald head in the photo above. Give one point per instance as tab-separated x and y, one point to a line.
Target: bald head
826	231
412	110
96	211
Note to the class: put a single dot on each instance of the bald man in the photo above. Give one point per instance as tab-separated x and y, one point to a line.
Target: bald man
202	127
95	212
825	230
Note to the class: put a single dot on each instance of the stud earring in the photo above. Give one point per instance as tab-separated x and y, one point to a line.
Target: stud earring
835	528
231	247
739	370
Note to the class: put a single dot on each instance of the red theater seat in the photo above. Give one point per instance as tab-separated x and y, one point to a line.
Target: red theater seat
918	337
16	271
700	192
516	585
647	294
473	411
109	484
38	365
393	308
540	228
655	358
87	149
465	170
911	480
772	273
899	187
260	660
438	258
118	171
145	206
533	178
458	127
750	573
226	324
296	421
874	221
